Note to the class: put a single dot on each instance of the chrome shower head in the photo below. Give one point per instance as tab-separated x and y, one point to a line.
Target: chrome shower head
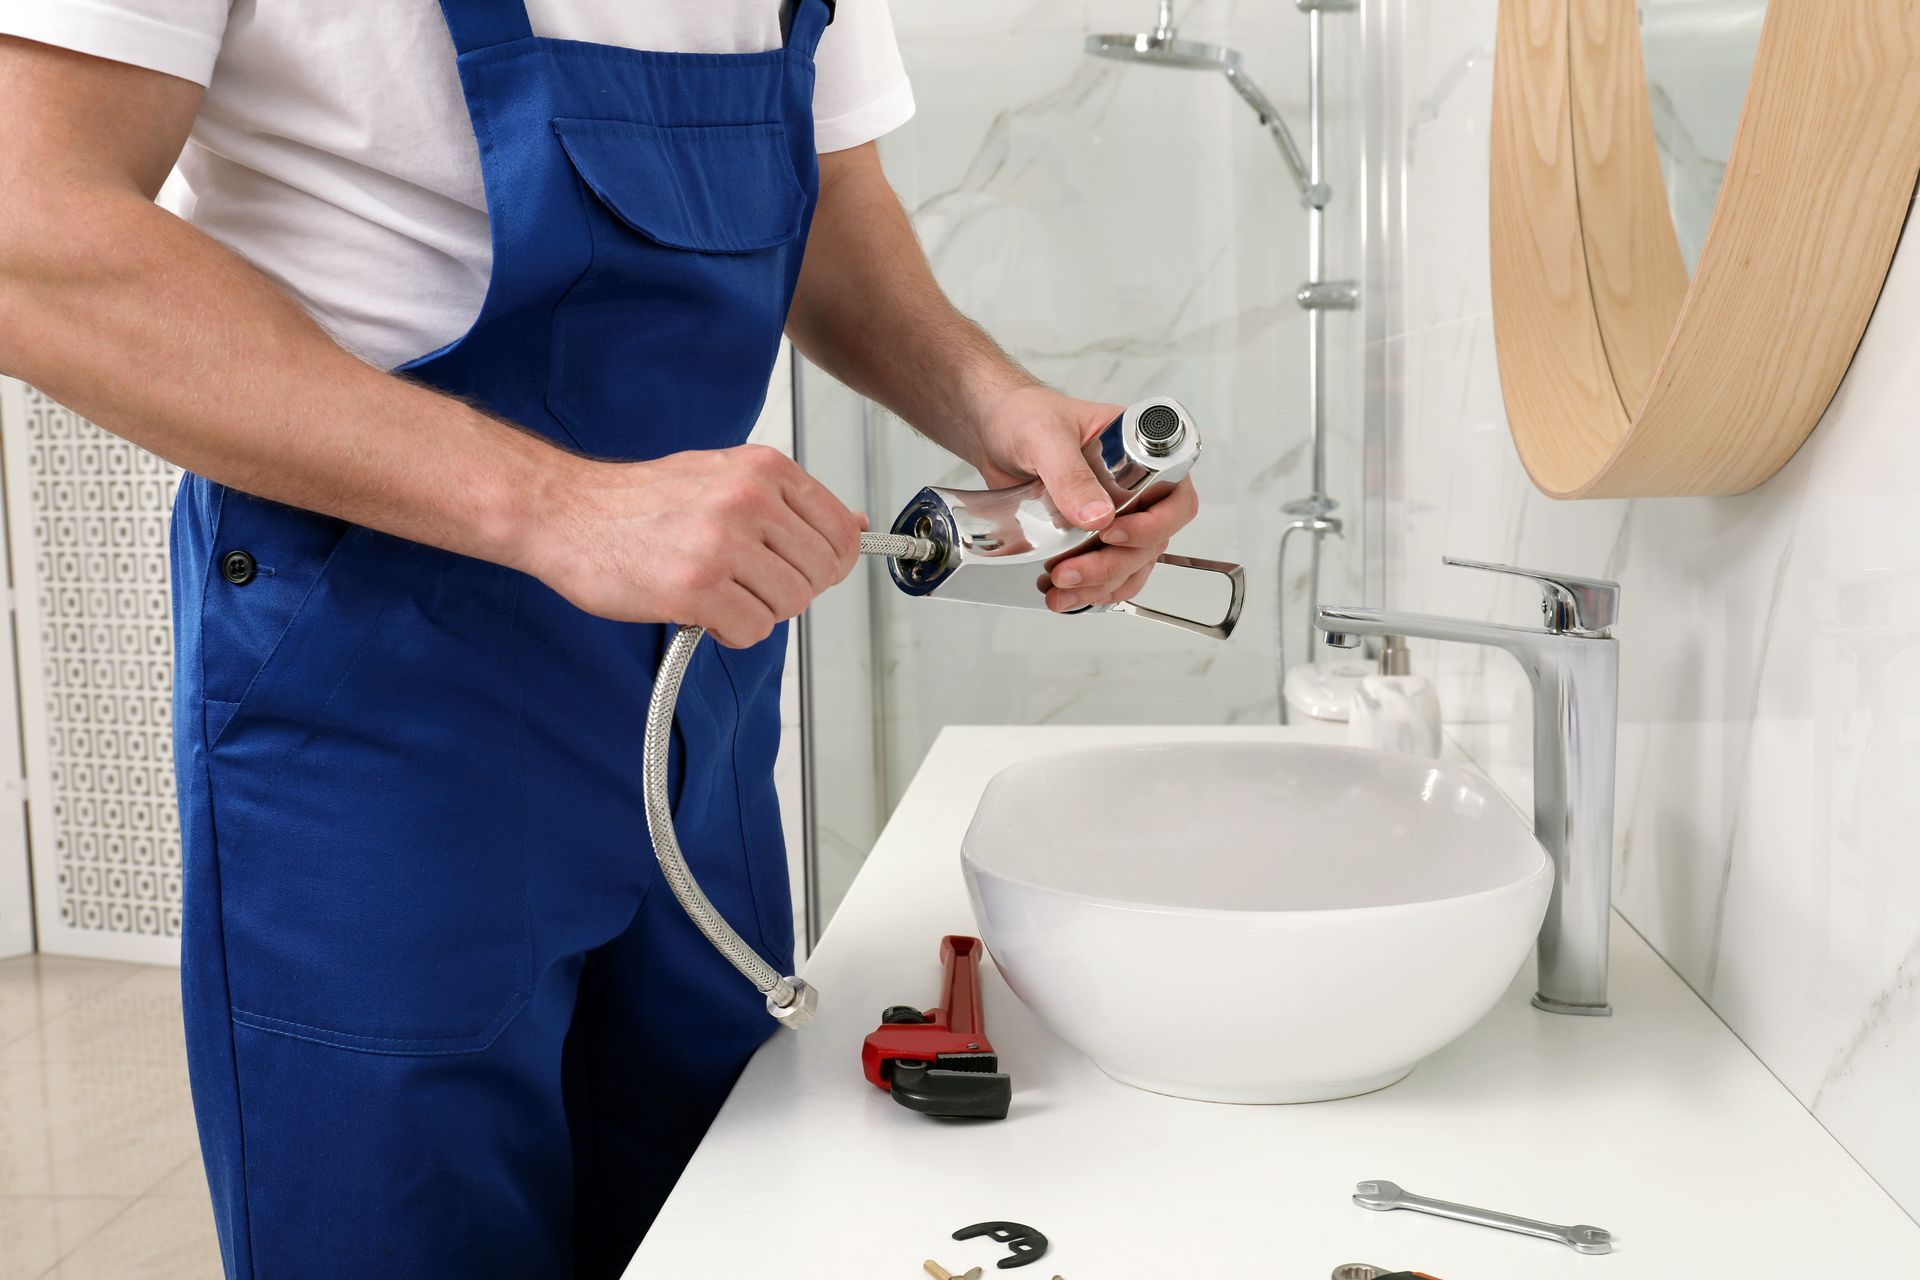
1163	49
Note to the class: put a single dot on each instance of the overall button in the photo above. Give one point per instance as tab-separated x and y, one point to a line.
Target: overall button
238	567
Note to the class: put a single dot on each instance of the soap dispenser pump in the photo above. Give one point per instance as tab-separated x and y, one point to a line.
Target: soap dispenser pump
1395	710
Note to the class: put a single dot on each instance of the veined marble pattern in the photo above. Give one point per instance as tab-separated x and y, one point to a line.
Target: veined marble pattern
1770	651
1123	231
1699	55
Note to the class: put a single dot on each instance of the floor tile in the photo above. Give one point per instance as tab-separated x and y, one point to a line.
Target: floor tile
154	1239
92	1127
36	989
38	1231
137	1019
188	1182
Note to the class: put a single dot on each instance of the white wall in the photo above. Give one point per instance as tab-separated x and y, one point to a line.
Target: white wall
1769	805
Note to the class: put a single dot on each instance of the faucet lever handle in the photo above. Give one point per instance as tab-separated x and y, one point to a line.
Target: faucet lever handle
1587	606
1236	577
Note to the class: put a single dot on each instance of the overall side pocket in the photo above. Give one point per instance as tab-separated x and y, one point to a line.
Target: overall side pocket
369	807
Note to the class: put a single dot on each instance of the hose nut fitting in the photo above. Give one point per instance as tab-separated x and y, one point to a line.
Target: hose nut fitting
806	1000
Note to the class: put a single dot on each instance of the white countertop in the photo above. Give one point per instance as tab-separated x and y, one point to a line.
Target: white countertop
1656	1124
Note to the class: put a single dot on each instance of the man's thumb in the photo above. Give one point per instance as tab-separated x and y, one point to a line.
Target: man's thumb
1075	490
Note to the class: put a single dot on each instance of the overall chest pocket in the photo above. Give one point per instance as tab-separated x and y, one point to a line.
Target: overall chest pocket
667	340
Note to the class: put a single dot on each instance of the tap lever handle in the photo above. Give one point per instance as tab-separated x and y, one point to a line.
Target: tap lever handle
1588	606
1236	577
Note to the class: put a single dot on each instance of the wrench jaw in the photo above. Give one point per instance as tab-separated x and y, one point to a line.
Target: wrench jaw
1378	1195
1586	1239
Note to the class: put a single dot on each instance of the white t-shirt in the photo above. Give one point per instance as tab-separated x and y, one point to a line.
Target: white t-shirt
333	148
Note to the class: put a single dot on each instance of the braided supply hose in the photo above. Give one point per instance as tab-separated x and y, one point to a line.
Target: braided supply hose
789	998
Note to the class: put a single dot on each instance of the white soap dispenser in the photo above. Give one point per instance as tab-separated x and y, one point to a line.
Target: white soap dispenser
1395	710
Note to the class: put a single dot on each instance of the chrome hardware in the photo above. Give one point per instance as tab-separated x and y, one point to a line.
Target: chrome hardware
1165	47
1236	577
1385	1196
798	1011
1328	295
1315	518
994	544
1579	606
1573	666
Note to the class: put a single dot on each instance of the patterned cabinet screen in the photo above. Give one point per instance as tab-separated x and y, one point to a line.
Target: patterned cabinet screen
87	522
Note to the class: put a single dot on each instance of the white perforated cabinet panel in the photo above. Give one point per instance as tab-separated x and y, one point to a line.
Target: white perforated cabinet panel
87	522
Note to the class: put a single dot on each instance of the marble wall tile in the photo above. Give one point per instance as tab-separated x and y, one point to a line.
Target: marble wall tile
1770	656
1698	55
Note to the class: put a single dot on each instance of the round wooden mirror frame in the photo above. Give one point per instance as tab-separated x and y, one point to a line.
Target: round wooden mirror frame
1622	377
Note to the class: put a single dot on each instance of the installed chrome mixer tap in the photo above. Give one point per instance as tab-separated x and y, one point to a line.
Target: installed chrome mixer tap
1573	664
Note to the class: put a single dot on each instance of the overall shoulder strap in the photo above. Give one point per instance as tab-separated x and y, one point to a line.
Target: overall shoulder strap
482	24
810	18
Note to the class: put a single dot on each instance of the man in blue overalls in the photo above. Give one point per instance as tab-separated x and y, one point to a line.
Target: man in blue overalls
442	1020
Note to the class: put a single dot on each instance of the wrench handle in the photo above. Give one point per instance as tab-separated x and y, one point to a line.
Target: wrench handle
960	986
1484	1217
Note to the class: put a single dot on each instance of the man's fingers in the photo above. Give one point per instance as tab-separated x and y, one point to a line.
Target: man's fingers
806	549
1095	576
1131	587
775	582
737	618
1075	491
815	504
1143	526
1103	568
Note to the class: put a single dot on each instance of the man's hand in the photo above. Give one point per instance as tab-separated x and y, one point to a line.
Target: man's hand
869	312
733	540
1035	432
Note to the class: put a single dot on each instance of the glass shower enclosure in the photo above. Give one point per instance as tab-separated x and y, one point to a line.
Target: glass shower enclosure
1123	231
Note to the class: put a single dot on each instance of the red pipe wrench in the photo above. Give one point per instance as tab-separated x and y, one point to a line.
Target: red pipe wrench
940	1062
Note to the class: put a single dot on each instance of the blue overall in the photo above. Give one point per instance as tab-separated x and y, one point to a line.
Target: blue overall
443	1019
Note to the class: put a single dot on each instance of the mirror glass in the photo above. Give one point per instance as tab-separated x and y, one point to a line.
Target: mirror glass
1698	55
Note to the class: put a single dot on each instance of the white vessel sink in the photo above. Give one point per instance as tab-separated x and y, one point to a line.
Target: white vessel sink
1253	922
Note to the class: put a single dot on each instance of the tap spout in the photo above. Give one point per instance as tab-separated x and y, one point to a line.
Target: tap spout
1575	678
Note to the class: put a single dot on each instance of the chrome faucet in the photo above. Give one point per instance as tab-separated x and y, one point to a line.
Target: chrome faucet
990	546
1573	665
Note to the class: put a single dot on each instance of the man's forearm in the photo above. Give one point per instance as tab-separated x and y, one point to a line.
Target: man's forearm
869	311
160	334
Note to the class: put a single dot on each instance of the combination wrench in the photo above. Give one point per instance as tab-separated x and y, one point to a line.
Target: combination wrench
1580	1237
